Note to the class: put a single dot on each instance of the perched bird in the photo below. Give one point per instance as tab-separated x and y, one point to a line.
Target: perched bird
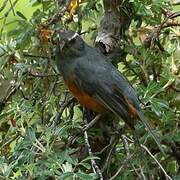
95	82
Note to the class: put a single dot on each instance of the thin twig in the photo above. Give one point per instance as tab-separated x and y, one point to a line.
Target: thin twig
7	142
60	110
95	167
127	151
102	150
41	75
34	56
12	7
10	92
88	126
2	29
3	5
163	170
142	173
170	24
125	162
89	150
57	16
126	146
136	171
113	143
153	37
147	150
6	15
9	10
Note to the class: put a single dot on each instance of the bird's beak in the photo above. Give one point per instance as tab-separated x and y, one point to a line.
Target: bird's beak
73	37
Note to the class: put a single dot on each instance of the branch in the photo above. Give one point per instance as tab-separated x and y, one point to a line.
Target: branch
61	108
40	75
93	162
58	15
170	24
34	56
124	164
9	10
12	7
163	170
113	143
88	126
114	24
3	5
10	92
158	163
153	37
95	167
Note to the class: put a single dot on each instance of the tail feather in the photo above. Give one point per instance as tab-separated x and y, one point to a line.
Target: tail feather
150	130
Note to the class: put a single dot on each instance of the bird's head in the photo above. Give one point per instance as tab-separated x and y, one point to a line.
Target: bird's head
70	43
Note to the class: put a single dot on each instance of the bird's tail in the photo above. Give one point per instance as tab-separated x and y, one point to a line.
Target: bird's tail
150	130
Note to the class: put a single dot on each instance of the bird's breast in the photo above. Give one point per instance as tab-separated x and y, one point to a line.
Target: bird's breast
85	99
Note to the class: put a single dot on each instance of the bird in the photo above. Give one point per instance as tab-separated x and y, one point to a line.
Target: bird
96	83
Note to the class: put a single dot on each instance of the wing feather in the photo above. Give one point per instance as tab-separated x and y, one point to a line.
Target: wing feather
103	81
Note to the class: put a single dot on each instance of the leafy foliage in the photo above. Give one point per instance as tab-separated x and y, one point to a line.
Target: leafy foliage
36	126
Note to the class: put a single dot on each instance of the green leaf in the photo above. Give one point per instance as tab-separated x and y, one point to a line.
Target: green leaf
2	51
66	176
25	39
86	165
156	109
90	158
84	176
21	15
15	32
152	87
158	106
31	133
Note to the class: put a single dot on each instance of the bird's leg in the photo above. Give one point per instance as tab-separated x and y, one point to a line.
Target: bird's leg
88	115
92	122
136	138
91	119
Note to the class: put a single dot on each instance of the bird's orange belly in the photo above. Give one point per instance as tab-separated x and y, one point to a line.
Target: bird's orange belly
86	99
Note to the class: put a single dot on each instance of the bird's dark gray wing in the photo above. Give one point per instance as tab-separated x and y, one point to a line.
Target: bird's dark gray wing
103	81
